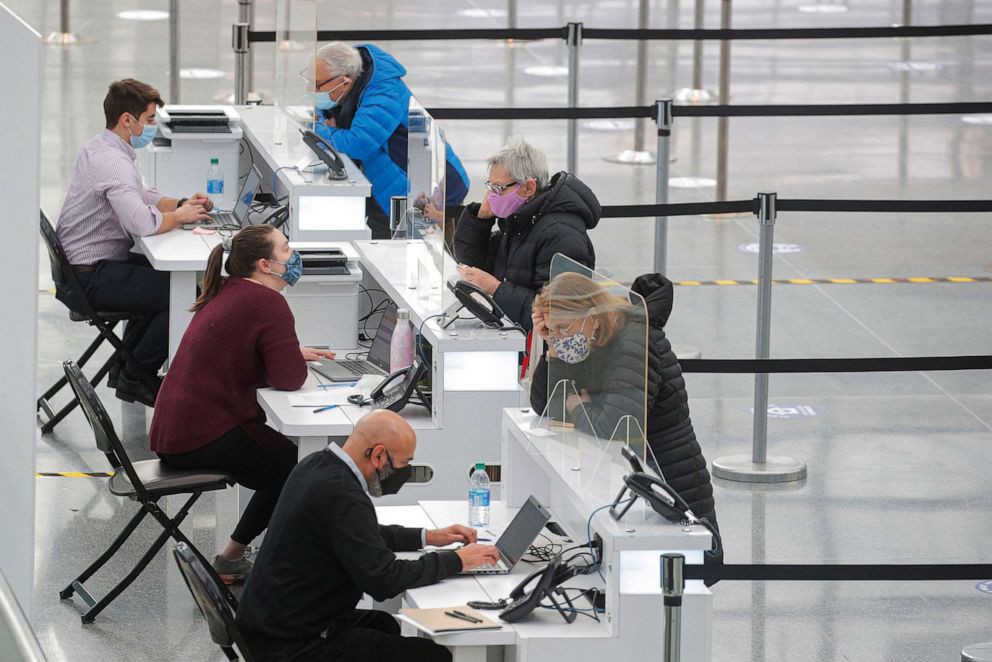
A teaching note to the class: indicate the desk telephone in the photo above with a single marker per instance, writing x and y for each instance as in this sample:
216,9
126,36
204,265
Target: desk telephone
395,390
659,494
478,302
547,579
323,149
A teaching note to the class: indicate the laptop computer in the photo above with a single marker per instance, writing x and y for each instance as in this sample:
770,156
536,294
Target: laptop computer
239,215
519,535
376,364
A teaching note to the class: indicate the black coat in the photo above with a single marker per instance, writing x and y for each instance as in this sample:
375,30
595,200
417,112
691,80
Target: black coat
615,378
519,251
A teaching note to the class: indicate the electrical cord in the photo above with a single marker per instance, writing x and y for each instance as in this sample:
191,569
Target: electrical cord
592,550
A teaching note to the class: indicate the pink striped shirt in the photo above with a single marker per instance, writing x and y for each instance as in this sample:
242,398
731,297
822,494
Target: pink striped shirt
106,205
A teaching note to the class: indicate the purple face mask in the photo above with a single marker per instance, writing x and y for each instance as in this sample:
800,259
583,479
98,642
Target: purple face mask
507,204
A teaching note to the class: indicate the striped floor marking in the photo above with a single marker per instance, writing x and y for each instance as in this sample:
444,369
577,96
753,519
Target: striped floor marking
841,281
74,474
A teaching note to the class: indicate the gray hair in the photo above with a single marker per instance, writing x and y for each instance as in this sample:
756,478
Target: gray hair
522,161
341,59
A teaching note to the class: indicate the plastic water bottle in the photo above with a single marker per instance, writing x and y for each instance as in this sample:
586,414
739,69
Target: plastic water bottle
215,182
401,344
478,497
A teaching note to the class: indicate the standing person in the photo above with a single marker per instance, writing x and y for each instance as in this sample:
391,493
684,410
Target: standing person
363,107
106,207
506,242
595,338
325,548
242,338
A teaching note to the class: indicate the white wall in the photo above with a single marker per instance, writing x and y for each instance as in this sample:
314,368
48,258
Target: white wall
20,83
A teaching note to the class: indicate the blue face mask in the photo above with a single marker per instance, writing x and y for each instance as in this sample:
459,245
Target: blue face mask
294,269
323,100
148,132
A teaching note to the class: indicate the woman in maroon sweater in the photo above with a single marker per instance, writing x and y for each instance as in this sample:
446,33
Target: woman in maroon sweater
243,337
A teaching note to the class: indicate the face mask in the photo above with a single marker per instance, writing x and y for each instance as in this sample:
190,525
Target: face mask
294,269
323,100
504,206
148,132
389,479
574,349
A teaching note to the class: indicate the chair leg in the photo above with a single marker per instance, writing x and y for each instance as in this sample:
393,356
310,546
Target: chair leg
103,558
95,609
44,406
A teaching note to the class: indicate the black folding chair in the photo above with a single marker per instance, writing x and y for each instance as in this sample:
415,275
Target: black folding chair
105,322
145,482
209,597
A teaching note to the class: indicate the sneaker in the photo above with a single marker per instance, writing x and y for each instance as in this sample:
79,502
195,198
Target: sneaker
232,572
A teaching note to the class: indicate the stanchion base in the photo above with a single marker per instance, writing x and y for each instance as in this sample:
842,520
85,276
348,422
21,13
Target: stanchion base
67,39
695,97
686,351
977,652
777,469
632,157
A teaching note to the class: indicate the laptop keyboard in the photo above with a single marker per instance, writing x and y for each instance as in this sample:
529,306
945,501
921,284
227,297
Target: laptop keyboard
490,568
359,367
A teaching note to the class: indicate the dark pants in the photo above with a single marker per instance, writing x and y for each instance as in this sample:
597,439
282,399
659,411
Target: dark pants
258,468
129,286
369,636
377,219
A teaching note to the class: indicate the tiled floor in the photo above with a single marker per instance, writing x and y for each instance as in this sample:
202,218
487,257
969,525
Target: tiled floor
898,463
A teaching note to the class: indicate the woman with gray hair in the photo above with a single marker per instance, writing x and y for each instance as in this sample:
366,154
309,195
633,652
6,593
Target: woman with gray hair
506,242
362,106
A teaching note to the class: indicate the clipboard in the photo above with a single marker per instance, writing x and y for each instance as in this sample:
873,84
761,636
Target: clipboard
435,621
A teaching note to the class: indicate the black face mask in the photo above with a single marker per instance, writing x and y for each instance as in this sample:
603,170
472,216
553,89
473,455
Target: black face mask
389,479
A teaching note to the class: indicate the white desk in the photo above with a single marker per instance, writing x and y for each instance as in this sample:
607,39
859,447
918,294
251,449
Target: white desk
182,254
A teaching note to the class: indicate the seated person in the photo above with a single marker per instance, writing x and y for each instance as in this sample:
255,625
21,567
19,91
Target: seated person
105,208
242,337
363,109
324,548
594,339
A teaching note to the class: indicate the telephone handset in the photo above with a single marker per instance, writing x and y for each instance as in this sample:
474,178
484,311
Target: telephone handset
478,302
660,496
545,581
323,149
395,390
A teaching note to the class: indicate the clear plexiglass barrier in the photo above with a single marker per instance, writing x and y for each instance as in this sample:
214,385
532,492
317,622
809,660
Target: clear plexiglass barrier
594,393
420,222
296,45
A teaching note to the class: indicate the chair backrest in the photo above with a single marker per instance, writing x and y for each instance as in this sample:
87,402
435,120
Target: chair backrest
209,598
61,269
18,642
103,429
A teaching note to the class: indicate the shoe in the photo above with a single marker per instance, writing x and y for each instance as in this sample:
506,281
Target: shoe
232,572
132,390
112,376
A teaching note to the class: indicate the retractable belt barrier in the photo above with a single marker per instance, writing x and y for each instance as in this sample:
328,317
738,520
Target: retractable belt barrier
525,34
886,364
839,572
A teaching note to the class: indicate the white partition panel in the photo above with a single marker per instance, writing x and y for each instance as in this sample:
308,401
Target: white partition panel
20,145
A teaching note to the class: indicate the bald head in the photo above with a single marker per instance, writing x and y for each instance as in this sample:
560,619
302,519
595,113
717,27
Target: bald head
381,435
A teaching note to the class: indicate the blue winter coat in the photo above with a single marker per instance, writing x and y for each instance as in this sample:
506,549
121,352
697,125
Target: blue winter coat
372,130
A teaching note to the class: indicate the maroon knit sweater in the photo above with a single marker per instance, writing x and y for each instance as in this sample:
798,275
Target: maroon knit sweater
242,340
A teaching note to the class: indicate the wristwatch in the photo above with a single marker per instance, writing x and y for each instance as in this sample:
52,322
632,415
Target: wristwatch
181,202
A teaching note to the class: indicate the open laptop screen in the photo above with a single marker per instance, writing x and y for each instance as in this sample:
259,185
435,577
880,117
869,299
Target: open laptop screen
247,195
379,352
522,531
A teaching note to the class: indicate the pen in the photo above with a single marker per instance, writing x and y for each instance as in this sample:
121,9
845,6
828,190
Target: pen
483,539
324,408
464,617
341,385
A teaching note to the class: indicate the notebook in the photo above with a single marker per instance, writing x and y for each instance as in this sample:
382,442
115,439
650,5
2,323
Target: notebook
377,362
516,539
436,621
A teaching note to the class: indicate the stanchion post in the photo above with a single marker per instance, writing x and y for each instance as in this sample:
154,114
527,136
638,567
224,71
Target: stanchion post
907,19
64,35
696,94
239,41
574,40
672,586
663,108
723,126
639,155
173,51
246,14
759,467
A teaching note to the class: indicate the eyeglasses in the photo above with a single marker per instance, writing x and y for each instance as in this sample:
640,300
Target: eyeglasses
499,188
307,75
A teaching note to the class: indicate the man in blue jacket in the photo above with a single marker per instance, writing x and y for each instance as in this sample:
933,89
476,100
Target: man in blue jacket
362,109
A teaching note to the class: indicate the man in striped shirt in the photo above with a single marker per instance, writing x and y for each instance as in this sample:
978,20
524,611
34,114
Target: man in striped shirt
106,207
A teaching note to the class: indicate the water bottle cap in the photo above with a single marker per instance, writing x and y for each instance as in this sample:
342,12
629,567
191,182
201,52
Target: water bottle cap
480,466
402,314
214,161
